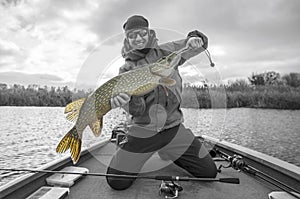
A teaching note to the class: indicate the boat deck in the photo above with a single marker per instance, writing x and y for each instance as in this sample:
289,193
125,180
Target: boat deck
97,187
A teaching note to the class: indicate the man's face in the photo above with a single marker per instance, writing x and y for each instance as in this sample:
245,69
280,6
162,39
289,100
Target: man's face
138,38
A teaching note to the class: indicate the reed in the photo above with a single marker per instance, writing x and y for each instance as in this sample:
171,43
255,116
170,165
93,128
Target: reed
234,95
242,95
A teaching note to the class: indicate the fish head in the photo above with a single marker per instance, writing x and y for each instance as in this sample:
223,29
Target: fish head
165,66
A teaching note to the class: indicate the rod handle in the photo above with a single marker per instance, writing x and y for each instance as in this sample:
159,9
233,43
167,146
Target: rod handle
230,180
166,178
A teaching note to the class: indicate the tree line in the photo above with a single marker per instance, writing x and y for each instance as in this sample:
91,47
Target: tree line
263,90
35,95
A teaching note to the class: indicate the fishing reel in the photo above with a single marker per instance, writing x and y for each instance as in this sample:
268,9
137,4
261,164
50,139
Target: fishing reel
235,161
169,189
119,135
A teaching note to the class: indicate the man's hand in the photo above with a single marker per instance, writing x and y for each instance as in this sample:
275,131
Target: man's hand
198,34
195,42
119,100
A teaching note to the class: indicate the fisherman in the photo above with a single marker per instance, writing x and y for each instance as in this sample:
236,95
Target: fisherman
156,118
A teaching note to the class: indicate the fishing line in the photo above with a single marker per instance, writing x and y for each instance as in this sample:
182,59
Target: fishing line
212,64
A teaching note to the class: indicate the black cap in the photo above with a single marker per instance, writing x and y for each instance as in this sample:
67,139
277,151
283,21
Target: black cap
135,21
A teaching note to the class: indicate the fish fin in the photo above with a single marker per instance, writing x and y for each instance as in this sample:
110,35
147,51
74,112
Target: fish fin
74,105
96,127
72,117
165,81
70,141
73,109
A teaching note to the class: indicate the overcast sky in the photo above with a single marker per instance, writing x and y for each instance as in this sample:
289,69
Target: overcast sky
54,42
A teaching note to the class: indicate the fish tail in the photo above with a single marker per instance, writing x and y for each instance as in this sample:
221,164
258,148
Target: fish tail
71,141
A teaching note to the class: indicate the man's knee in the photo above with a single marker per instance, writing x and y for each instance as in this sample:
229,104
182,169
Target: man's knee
210,168
118,183
212,171
208,172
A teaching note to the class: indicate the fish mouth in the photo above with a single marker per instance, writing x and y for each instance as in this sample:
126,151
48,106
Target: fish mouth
166,72
163,72
175,60
166,66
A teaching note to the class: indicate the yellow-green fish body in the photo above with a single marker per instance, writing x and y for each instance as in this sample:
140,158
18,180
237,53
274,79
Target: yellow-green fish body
90,111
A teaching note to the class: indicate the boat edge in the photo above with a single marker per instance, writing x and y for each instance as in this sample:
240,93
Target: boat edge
18,183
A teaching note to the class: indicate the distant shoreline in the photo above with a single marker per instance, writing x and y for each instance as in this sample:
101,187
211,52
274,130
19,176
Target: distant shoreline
227,108
238,94
242,96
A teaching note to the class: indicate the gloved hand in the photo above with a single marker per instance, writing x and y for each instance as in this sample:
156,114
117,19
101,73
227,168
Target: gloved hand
137,106
120,100
195,42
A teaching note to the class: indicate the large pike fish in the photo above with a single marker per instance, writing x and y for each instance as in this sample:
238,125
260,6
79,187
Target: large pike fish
90,111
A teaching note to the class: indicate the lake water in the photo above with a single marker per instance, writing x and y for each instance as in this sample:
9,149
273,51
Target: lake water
29,135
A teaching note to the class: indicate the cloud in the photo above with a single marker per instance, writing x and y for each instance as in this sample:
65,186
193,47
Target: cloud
109,17
26,79
8,48
10,53
44,37
58,37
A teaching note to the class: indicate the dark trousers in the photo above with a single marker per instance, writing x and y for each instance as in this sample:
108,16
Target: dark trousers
177,144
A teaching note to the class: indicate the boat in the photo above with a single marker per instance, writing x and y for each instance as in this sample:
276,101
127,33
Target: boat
243,173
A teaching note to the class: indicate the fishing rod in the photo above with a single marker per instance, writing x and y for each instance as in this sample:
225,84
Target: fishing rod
212,64
207,53
237,163
168,186
165,178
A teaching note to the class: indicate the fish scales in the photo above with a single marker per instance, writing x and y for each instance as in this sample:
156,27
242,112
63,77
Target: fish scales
92,109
